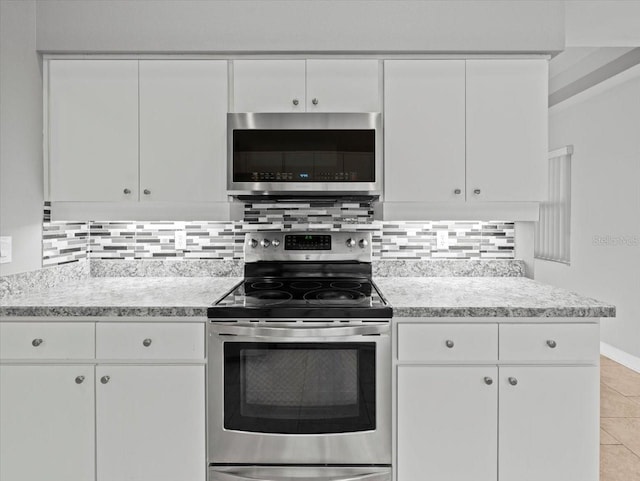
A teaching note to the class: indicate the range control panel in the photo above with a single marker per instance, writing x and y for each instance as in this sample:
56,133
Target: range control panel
301,242
296,246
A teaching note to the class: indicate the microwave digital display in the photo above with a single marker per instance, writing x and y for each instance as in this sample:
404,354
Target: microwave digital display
309,155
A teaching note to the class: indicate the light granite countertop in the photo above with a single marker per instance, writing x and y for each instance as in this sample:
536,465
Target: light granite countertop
485,297
409,296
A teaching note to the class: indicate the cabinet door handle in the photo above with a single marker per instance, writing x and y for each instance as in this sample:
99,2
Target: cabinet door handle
476,191
449,343
488,381
457,191
36,342
314,101
147,192
295,101
104,379
551,343
127,191
146,342
79,379
513,381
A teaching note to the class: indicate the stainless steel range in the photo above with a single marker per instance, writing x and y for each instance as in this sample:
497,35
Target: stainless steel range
299,375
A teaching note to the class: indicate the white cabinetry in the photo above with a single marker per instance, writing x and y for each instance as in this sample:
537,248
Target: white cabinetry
183,134
447,423
549,423
473,130
129,130
424,111
507,110
319,85
93,130
46,423
150,423
471,415
139,407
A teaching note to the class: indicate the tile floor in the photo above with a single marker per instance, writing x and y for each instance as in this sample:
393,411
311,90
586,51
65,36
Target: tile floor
619,422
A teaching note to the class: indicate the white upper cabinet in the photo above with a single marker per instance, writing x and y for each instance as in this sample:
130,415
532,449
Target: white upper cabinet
93,130
269,85
424,110
306,85
183,107
507,129
343,86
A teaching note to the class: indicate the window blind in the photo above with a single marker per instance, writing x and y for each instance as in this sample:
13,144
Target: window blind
553,230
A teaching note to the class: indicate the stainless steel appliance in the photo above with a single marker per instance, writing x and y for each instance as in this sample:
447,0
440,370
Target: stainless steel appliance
297,153
299,374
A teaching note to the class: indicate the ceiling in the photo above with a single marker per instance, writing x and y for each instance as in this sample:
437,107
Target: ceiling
579,68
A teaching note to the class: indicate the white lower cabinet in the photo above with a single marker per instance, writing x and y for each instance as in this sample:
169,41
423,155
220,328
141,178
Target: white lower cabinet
47,423
526,412
150,423
447,423
549,423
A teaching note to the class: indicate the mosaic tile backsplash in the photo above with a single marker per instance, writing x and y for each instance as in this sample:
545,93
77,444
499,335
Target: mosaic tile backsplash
65,242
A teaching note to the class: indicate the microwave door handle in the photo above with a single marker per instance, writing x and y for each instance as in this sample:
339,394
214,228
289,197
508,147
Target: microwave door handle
295,332
229,476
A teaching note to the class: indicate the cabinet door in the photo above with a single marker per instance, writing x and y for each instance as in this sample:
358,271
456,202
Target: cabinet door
343,86
93,130
183,135
269,85
549,423
150,423
447,423
507,129
47,423
424,130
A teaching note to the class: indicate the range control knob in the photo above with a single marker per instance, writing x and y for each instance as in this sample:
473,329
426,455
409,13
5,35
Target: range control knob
265,243
363,243
253,243
351,243
275,242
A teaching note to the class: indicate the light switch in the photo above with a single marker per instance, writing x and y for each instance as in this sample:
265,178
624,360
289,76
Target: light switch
181,239
5,249
442,240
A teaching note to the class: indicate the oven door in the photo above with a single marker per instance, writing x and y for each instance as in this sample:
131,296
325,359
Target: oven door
280,394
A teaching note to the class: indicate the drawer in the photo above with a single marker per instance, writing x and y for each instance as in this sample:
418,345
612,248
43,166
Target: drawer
447,342
549,342
47,340
146,340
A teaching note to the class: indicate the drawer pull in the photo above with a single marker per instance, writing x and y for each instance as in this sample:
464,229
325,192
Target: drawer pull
79,379
104,379
513,381
146,342
36,342
449,343
551,343
488,381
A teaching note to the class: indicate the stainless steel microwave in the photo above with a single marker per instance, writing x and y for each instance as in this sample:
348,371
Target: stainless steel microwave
290,154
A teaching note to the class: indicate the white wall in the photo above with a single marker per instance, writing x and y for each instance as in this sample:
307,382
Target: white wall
602,23
603,124
21,196
298,26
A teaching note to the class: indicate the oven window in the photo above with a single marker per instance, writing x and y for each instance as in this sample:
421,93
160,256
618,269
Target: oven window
299,388
303,155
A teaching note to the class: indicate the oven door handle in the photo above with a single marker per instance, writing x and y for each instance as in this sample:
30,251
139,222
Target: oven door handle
254,331
229,476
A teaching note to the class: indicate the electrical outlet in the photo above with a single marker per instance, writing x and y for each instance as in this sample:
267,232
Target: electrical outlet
181,240
5,249
442,240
